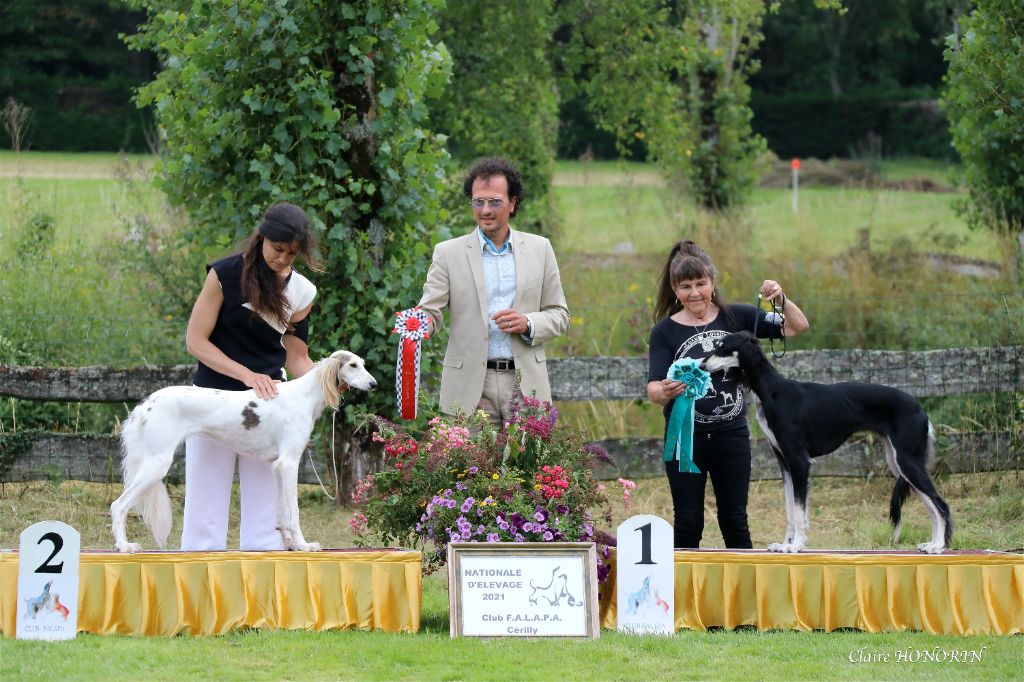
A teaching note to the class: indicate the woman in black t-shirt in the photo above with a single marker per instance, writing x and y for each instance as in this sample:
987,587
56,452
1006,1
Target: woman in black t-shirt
691,316
249,323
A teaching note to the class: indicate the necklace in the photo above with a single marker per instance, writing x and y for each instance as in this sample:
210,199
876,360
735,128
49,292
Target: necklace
706,343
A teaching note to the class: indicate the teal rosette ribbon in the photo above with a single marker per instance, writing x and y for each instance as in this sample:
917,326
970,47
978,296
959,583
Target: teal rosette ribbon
679,436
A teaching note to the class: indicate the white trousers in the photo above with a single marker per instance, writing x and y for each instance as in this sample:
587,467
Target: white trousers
209,475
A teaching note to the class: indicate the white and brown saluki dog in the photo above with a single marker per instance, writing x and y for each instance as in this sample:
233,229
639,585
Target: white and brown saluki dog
803,420
272,430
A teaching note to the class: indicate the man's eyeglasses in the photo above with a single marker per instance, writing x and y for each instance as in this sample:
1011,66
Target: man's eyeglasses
493,203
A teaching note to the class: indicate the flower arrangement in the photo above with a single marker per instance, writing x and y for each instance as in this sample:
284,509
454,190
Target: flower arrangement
463,480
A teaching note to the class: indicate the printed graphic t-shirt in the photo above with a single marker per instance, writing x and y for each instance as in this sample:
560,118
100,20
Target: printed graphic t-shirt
723,408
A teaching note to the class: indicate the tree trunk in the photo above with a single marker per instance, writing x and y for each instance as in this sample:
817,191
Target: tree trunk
350,460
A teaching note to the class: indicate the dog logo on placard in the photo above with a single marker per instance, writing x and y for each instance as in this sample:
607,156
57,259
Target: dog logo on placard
35,605
46,605
639,598
554,591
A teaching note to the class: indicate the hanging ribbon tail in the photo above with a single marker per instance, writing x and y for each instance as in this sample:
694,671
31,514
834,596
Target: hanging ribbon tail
411,327
679,436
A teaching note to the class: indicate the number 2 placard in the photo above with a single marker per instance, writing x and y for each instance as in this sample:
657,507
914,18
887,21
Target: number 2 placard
48,581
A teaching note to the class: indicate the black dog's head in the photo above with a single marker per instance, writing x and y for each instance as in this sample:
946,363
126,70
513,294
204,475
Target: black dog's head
739,349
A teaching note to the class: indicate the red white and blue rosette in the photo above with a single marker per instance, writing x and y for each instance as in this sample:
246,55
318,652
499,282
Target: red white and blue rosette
412,326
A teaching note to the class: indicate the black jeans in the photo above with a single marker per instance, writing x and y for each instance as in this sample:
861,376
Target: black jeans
726,456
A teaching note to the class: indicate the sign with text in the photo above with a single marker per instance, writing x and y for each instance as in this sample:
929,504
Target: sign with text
645,576
48,556
523,589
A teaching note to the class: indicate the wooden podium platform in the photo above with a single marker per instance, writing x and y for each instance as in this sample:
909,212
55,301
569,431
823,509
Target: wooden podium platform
209,593
961,593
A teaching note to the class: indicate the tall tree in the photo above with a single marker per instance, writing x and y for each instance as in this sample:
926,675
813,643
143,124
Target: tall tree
985,103
502,99
320,103
673,73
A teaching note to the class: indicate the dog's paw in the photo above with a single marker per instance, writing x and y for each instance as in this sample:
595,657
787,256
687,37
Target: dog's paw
313,547
785,547
129,548
931,547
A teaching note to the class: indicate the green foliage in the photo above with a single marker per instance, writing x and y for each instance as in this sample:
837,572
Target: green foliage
320,103
675,77
65,61
985,102
502,99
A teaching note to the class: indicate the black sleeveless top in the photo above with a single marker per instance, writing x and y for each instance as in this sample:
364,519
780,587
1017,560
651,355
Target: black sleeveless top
242,334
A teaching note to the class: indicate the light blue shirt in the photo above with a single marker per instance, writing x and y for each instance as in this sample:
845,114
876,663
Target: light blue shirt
500,280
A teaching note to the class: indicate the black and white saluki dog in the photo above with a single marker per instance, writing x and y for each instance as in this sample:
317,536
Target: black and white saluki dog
803,420
272,430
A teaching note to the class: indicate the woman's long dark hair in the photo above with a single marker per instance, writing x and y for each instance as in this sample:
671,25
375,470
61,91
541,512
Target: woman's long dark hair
261,286
685,261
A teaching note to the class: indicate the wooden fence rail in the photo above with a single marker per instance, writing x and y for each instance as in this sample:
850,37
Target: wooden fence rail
947,372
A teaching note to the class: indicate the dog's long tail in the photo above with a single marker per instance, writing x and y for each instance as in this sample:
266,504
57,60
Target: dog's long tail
900,493
140,467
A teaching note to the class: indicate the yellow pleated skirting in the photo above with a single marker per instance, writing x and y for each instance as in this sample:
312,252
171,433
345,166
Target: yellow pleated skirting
210,593
963,593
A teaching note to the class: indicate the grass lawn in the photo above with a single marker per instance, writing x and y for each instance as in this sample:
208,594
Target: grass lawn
846,513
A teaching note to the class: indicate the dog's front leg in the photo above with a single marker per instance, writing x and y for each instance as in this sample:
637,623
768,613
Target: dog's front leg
286,475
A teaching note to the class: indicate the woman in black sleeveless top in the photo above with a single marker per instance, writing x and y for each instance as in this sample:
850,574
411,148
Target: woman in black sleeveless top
249,323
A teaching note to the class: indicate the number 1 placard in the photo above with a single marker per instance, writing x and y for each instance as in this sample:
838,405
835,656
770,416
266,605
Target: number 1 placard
48,581
645,576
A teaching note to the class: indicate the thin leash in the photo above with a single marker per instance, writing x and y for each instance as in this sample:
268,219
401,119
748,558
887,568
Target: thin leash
334,462
777,314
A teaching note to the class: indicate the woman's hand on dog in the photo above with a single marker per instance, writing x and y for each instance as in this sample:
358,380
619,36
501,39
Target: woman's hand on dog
264,386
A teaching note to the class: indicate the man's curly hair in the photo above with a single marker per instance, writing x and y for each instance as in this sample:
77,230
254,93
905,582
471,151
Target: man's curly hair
492,166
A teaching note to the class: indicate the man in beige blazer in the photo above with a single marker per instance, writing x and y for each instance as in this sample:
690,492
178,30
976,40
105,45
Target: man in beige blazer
504,297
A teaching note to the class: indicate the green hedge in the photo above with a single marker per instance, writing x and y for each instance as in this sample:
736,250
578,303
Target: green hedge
818,125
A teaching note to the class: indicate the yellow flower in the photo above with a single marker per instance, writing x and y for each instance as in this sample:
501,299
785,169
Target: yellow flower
577,321
495,476
633,287
536,486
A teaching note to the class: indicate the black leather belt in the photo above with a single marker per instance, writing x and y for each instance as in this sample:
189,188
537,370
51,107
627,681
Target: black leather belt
508,365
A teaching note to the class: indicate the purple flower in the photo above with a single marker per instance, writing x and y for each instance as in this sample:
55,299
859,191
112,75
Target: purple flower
519,538
450,504
448,492
548,536
460,486
517,520
473,470
528,527
562,509
480,529
502,524
466,534
467,505
598,453
493,537
455,536
540,516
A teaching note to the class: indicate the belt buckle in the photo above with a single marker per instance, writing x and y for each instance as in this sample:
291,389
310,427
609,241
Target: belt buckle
503,365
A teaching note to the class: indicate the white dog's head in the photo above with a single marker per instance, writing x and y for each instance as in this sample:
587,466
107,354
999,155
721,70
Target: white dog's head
341,371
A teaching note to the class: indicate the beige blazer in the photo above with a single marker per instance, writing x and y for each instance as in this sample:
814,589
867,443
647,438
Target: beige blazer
456,280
